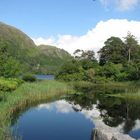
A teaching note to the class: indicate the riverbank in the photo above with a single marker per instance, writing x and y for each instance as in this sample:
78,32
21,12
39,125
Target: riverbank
30,94
128,90
26,95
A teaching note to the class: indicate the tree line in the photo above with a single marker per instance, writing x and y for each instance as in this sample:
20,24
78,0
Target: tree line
119,60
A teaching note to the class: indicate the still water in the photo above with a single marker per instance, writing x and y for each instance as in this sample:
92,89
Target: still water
44,77
74,118
57,120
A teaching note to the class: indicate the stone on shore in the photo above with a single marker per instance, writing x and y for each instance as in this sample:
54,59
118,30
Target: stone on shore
101,134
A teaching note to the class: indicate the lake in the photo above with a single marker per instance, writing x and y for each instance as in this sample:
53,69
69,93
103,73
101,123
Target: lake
74,117
44,77
56,120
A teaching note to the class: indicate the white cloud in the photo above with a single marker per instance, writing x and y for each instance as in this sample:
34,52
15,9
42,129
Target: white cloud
41,40
127,4
137,125
94,38
61,106
120,4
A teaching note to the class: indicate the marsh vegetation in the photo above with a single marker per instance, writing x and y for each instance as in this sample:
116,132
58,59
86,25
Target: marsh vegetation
26,95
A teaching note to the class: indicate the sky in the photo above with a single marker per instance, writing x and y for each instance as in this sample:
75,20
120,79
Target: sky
72,24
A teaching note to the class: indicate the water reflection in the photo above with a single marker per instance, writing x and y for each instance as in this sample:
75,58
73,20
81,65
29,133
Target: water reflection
119,114
44,77
77,115
57,120
60,106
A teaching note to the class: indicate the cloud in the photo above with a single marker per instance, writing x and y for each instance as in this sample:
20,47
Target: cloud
137,125
61,106
127,4
122,5
41,40
94,39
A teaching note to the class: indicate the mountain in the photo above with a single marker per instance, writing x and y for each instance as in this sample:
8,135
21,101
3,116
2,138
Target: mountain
38,59
19,46
53,58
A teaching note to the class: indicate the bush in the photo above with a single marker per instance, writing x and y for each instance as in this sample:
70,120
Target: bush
109,71
71,77
102,80
90,75
29,78
71,72
9,84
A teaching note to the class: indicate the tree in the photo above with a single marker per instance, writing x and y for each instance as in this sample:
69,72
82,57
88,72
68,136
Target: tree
81,54
113,51
71,71
109,70
132,47
132,71
9,66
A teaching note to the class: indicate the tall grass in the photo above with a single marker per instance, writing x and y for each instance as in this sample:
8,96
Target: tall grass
129,95
127,90
26,95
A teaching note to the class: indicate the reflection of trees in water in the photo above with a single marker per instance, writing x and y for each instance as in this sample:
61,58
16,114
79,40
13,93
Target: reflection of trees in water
114,111
84,100
119,111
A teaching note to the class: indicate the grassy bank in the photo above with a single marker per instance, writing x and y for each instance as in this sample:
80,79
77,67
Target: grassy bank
26,95
128,95
103,88
127,90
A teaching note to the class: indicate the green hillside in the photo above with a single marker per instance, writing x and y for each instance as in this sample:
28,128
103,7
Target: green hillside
19,50
52,58
19,46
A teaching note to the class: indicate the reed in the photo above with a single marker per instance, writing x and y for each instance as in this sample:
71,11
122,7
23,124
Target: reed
129,95
26,95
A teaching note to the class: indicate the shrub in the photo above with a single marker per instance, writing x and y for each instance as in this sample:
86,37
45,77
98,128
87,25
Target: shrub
109,71
90,75
9,84
29,78
71,77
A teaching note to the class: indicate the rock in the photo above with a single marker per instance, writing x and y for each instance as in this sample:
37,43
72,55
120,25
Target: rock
99,134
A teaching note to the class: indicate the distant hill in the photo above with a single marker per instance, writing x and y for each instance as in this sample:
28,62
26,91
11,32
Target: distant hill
41,59
19,46
53,57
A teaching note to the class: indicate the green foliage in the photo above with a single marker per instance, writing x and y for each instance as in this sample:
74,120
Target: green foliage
115,66
119,60
109,70
132,71
117,51
88,64
19,47
126,54
9,84
19,54
29,78
9,67
51,59
132,48
113,51
101,80
27,95
71,71
90,73
81,68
